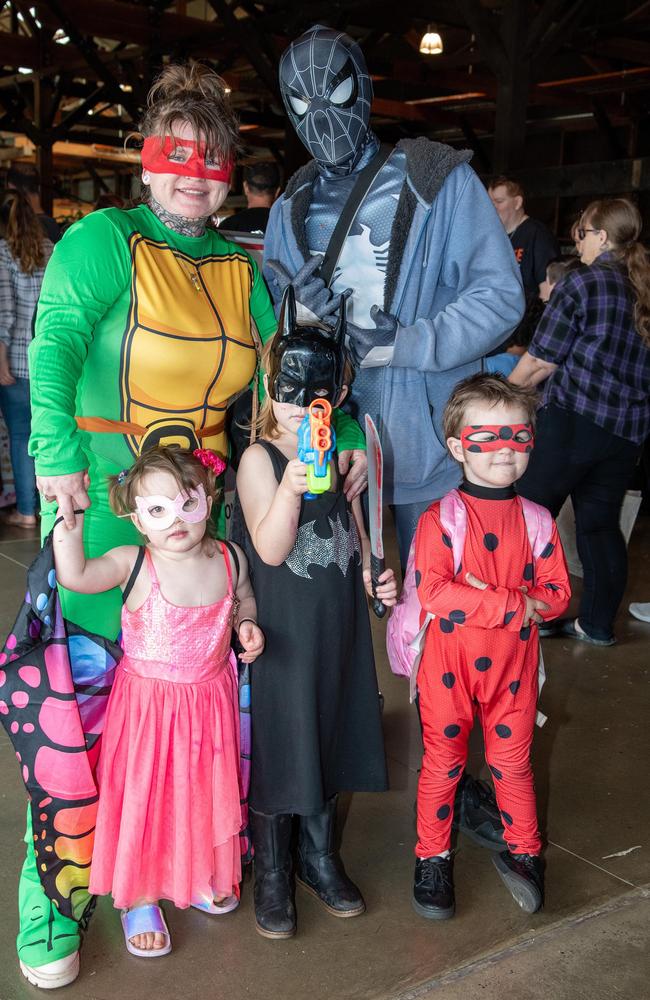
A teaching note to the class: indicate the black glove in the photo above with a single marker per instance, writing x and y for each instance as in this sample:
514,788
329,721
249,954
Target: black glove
363,339
311,292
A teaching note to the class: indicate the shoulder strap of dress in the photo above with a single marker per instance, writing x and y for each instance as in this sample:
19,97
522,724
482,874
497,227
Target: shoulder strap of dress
137,566
153,576
226,548
278,460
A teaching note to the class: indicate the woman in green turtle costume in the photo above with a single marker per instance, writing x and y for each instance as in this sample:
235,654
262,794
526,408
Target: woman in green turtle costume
147,326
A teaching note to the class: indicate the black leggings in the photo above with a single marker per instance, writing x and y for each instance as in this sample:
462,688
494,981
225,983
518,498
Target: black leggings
575,457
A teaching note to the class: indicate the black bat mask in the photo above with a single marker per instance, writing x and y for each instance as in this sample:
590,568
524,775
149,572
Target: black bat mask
327,91
307,362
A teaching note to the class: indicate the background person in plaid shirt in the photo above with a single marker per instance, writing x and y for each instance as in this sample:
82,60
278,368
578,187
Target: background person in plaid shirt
24,252
594,342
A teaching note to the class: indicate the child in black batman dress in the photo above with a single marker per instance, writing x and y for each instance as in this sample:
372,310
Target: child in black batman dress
316,721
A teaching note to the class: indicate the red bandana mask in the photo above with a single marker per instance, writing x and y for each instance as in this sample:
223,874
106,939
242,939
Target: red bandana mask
166,155
493,437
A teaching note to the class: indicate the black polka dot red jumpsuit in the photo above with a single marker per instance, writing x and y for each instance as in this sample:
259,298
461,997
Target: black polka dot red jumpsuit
480,658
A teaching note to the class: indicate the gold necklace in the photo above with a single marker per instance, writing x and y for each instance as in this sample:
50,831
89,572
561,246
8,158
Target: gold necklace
190,274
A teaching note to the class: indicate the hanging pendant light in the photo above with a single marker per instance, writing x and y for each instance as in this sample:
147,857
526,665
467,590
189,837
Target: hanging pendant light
431,44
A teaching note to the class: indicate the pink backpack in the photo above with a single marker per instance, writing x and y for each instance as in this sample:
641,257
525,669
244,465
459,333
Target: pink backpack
404,633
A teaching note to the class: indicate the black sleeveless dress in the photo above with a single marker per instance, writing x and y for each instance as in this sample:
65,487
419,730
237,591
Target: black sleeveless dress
314,700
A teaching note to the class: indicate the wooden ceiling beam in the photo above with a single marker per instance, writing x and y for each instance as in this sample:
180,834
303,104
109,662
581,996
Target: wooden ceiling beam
244,31
634,50
490,43
127,22
90,53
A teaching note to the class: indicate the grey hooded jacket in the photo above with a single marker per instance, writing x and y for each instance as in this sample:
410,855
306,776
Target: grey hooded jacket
452,282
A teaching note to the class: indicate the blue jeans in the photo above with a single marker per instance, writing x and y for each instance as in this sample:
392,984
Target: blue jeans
14,404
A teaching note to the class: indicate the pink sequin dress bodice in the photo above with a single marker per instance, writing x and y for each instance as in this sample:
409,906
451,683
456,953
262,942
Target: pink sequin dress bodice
175,643
170,811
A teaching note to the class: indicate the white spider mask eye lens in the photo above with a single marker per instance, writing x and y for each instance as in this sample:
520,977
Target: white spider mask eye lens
298,105
343,92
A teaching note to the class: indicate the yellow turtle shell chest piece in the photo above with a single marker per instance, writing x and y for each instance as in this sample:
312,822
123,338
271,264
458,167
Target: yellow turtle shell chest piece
188,346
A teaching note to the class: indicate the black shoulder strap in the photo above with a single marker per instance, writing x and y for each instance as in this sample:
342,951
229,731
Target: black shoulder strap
342,228
235,558
61,518
137,566
278,460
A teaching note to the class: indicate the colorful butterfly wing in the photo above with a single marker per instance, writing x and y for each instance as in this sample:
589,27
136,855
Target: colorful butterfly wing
54,683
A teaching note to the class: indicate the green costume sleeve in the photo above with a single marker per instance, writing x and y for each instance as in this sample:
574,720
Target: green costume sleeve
87,272
349,435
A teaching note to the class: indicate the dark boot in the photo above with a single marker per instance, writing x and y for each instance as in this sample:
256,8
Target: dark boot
523,875
433,888
320,869
275,914
477,815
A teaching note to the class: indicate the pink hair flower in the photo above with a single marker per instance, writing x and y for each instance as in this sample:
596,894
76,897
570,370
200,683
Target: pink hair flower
210,460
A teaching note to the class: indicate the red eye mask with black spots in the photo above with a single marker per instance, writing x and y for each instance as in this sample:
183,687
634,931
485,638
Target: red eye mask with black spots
493,437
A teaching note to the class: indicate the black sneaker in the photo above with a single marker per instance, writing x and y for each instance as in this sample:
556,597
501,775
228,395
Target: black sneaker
433,888
477,815
523,875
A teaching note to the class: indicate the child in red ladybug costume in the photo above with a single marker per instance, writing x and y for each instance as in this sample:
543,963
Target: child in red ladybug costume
481,653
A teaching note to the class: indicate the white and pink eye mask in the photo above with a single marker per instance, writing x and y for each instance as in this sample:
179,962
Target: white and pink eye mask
158,513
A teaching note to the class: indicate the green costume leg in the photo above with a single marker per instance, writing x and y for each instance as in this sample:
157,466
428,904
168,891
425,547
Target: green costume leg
45,934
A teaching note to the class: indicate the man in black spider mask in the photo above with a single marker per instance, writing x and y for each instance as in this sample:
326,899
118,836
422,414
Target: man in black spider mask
431,280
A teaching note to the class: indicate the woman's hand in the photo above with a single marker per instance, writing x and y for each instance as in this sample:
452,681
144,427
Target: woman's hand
353,467
530,371
70,492
252,639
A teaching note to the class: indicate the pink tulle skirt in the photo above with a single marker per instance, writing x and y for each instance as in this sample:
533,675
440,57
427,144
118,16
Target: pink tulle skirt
169,810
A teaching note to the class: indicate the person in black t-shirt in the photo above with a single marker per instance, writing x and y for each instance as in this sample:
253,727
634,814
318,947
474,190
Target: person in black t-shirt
261,187
532,242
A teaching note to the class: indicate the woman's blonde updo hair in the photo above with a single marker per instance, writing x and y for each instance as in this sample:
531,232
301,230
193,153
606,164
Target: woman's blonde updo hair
622,222
194,94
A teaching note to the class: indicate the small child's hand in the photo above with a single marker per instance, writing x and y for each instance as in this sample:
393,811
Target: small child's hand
474,581
386,590
532,609
295,477
252,639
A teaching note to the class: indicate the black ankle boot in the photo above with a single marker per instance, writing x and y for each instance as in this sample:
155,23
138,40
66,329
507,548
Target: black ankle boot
275,914
523,875
320,869
433,888
477,815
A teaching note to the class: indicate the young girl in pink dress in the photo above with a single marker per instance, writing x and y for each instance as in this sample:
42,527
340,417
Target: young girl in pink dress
169,809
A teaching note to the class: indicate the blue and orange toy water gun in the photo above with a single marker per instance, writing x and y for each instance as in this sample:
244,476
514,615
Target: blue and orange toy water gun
316,445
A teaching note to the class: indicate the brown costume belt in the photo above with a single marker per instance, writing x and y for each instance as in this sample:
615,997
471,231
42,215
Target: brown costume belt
100,425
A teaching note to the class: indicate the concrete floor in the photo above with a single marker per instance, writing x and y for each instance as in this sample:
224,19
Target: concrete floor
591,941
